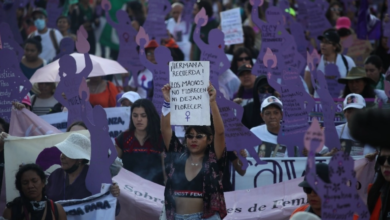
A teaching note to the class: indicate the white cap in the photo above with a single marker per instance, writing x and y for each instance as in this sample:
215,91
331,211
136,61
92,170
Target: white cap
131,96
304,216
271,100
354,100
76,146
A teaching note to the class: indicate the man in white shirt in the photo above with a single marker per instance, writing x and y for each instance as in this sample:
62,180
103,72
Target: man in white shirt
177,27
51,38
352,103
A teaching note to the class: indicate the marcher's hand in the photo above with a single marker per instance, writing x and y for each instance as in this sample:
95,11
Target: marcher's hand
3,136
371,156
237,100
305,152
114,189
329,154
18,105
212,93
166,92
243,153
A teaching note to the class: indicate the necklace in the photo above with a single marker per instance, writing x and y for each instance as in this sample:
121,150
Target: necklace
194,164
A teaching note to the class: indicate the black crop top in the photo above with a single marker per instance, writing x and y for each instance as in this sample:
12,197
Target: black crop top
184,188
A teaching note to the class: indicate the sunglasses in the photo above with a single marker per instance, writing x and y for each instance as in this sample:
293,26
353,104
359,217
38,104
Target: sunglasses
382,159
243,58
308,190
266,88
198,136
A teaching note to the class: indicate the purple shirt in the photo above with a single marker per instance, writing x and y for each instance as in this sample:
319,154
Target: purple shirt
58,187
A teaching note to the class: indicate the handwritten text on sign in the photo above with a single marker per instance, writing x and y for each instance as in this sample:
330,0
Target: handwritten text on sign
190,102
231,26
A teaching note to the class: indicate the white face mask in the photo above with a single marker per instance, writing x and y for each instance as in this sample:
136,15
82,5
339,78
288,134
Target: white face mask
40,24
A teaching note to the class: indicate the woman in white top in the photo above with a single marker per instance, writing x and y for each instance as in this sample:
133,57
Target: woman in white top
330,50
43,100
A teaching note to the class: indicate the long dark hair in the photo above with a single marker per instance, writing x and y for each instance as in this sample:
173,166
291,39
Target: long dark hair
368,91
236,55
137,10
375,190
36,40
34,167
374,60
153,127
79,123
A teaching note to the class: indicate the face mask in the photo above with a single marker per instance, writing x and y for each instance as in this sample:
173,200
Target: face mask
40,24
72,169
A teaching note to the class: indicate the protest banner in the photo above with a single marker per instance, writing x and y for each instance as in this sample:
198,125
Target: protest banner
190,101
277,201
118,120
18,150
98,206
231,26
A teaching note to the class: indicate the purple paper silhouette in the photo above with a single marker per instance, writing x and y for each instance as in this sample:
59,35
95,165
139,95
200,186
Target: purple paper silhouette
302,13
160,69
49,157
186,15
273,36
328,111
53,12
8,15
103,152
295,112
292,58
332,74
155,21
237,136
8,41
317,22
70,80
365,22
298,32
11,81
214,51
66,47
386,27
128,55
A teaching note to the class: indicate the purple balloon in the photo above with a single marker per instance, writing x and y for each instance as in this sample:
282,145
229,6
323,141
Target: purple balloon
155,21
332,75
128,55
66,47
237,136
103,152
69,85
11,79
213,52
160,71
53,12
328,111
187,14
8,40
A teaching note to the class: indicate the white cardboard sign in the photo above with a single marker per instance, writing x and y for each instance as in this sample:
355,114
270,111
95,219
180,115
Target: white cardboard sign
231,26
190,101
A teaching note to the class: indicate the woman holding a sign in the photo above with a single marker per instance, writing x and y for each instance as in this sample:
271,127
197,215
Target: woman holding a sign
194,187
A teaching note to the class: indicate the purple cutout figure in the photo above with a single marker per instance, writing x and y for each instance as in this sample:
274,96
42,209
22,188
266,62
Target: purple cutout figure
292,58
238,137
187,14
160,69
155,21
11,81
214,51
367,27
128,55
49,157
316,19
103,152
53,12
9,16
273,36
298,32
66,47
332,74
339,197
386,28
70,80
8,41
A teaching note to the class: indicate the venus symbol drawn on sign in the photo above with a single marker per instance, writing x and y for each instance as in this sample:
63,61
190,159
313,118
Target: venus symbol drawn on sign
188,113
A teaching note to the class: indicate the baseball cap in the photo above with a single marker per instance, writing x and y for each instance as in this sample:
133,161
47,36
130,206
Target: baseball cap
354,100
271,100
39,10
26,100
131,96
322,171
343,22
330,35
243,68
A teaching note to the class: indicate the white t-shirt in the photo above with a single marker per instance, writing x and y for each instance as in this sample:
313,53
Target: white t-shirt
42,106
266,136
355,150
339,63
178,30
143,88
48,50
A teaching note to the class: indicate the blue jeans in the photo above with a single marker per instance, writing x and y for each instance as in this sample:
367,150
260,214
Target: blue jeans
196,216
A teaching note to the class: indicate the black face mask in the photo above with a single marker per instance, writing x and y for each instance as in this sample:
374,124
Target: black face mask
72,169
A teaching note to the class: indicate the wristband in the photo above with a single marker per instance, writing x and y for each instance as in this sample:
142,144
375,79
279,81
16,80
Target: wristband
166,108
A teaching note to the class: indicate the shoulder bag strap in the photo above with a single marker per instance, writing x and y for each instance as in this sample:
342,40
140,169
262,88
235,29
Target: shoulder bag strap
54,40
